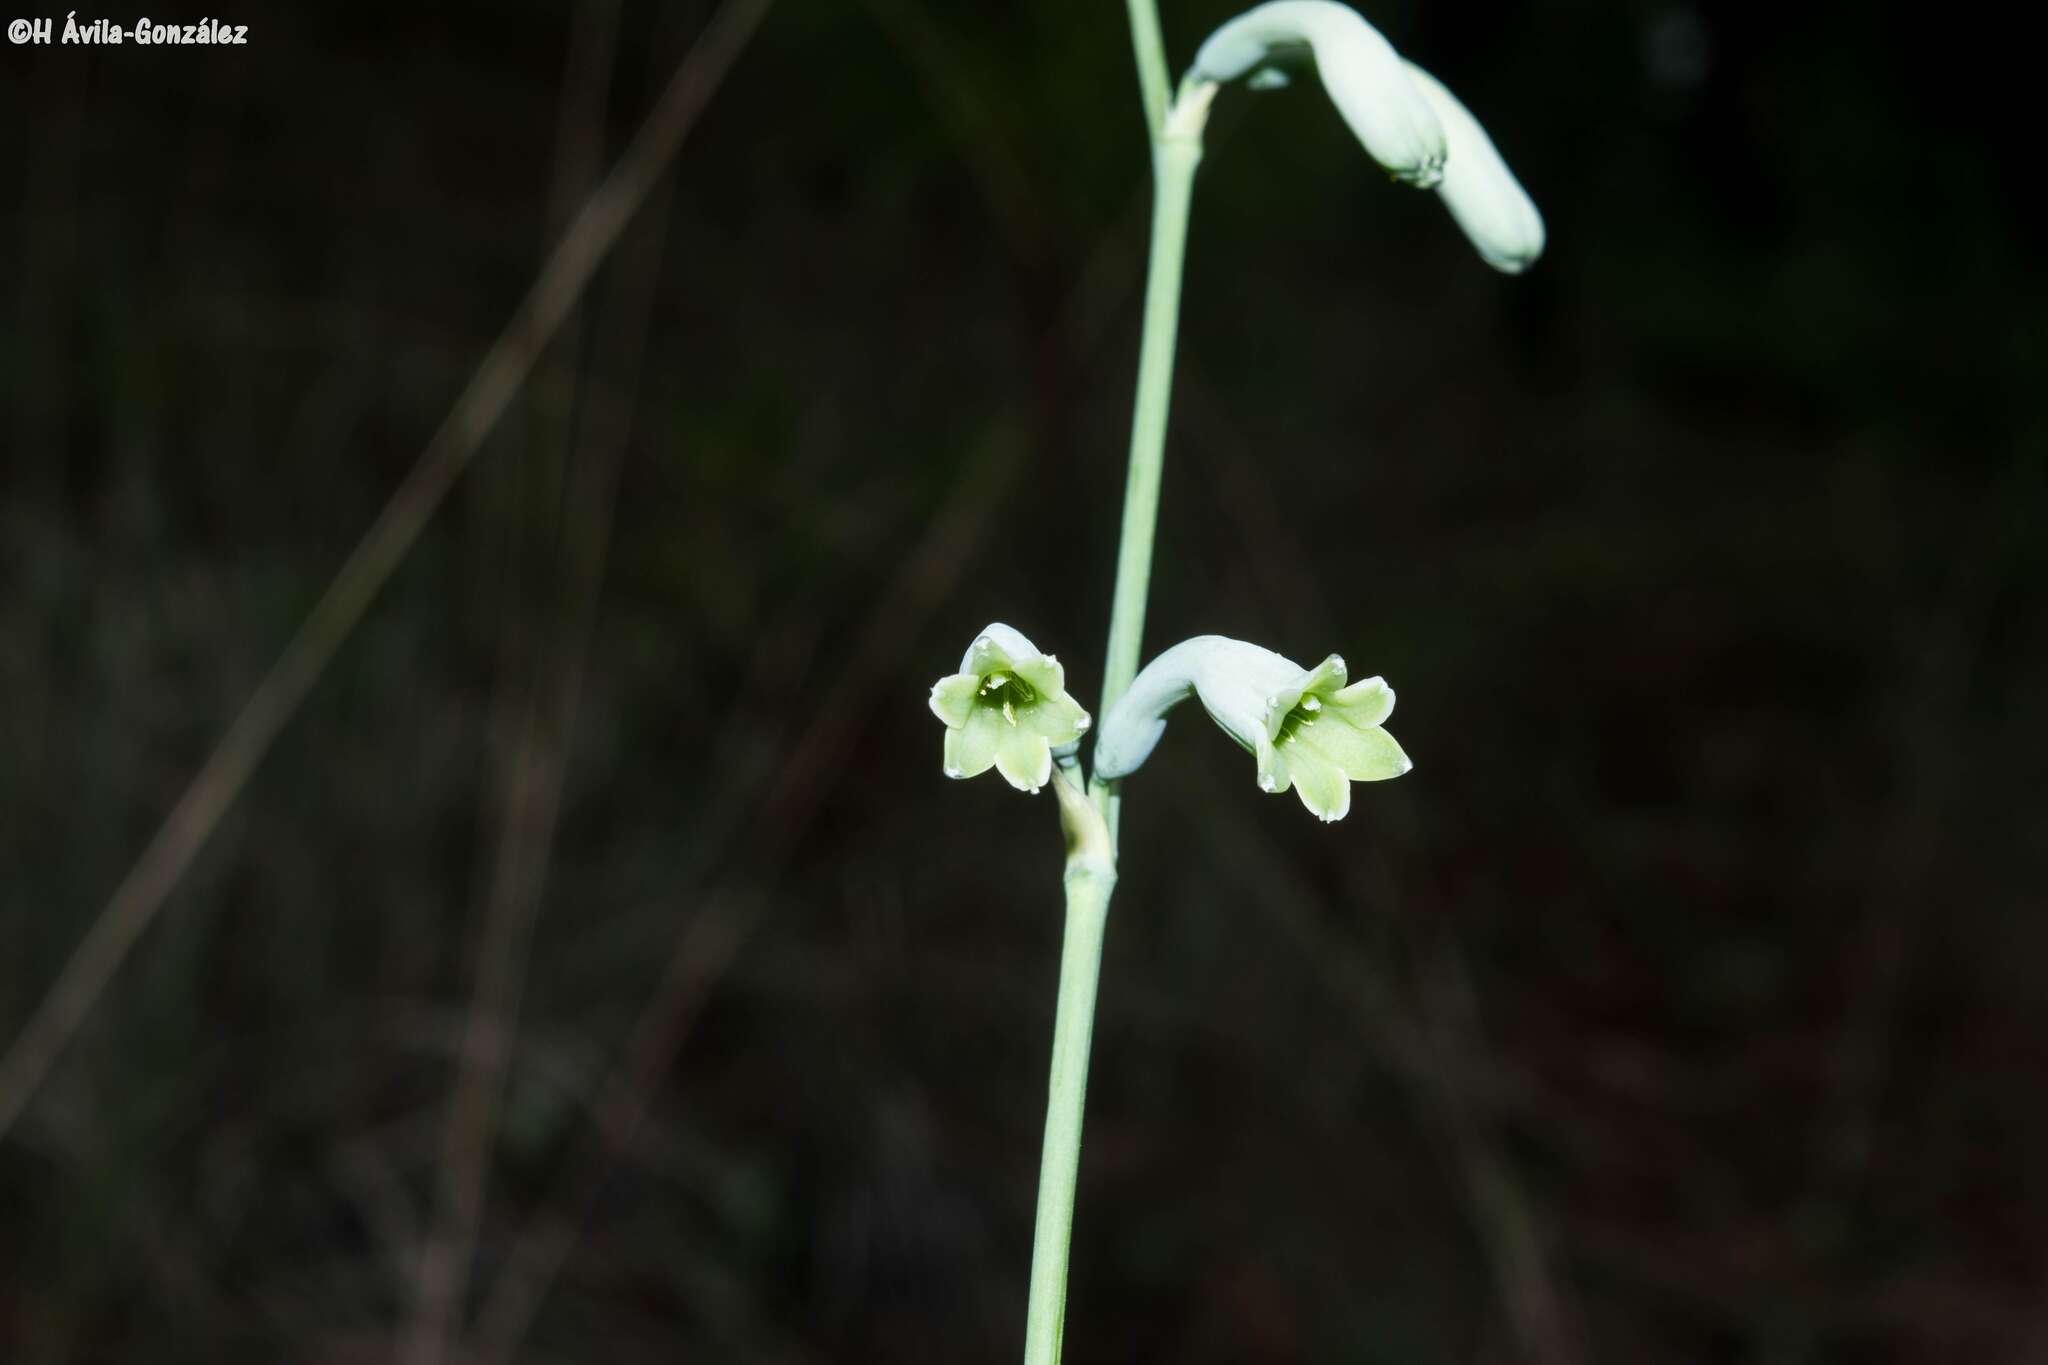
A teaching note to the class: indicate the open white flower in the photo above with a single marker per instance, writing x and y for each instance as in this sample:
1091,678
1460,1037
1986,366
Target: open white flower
1308,729
1358,66
1006,707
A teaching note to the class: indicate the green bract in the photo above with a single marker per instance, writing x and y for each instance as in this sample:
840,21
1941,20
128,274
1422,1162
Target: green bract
1006,708
1308,729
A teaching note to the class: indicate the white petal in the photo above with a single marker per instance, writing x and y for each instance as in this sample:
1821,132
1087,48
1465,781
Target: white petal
1327,676
1368,701
1366,753
997,647
1023,758
971,749
952,698
1321,784
1060,719
1044,673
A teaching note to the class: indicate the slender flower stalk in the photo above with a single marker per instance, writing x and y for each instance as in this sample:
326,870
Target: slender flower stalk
1091,821
1089,881
1311,731
1175,156
1155,83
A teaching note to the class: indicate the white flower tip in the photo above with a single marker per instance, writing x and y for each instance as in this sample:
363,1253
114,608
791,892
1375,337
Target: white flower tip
1482,194
1083,723
952,771
1331,818
1267,784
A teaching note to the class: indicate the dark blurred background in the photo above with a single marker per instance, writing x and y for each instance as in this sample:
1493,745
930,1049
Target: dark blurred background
1682,1005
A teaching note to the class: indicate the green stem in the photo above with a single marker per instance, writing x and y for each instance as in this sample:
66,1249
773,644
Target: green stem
1089,884
1176,152
1091,823
1154,85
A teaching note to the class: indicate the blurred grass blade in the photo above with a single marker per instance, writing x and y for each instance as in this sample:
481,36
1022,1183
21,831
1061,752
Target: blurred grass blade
561,282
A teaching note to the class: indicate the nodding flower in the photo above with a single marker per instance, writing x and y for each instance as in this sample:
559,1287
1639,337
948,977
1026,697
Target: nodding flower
1307,728
1006,708
1405,117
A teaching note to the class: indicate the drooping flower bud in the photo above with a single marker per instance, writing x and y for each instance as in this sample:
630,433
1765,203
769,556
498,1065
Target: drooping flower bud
1364,76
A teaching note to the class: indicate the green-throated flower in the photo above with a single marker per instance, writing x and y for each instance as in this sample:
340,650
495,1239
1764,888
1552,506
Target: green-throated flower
1308,729
1007,707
